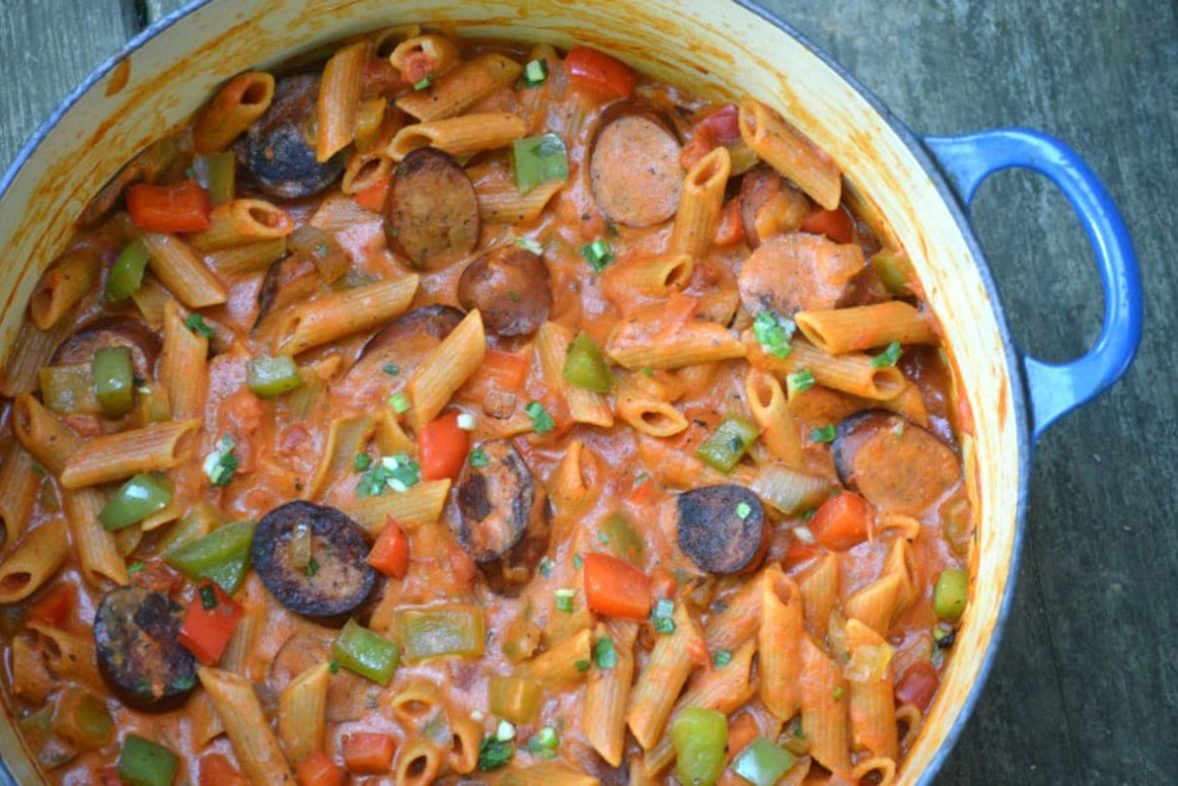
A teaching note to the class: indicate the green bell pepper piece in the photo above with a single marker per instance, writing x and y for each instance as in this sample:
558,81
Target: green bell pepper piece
440,631
138,498
368,654
201,519
950,594
699,737
114,380
222,556
762,763
143,763
126,275
69,390
585,367
217,174
727,444
620,538
269,377
538,159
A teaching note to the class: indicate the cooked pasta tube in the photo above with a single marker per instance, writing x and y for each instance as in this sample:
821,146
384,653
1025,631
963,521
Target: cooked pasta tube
349,436
119,456
34,560
700,204
770,411
500,201
242,221
466,733
326,318
206,723
340,88
875,605
150,299
825,721
842,330
415,701
559,665
446,368
900,561
69,654
441,50
671,662
790,153
585,406
240,649
365,170
851,373
657,276
418,762
180,270
249,732
241,101
778,640
302,720
31,680
546,773
20,481
820,591
872,703
46,437
30,351
738,622
66,281
251,257
97,551
636,344
646,413
420,505
881,768
459,136
603,714
460,87
910,717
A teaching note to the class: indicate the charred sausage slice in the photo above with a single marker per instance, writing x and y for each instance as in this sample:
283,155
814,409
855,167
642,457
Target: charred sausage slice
509,285
799,272
137,643
106,333
405,342
634,169
335,581
721,528
287,280
433,212
278,148
769,204
897,465
502,517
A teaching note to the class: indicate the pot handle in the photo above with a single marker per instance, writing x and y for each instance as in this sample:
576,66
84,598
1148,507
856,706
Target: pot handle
1056,389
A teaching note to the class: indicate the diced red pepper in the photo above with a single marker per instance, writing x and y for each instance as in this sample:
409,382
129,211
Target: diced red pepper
600,72
730,230
390,553
835,224
367,753
206,631
373,197
215,770
55,606
723,125
319,770
918,685
442,447
616,588
842,522
800,552
179,207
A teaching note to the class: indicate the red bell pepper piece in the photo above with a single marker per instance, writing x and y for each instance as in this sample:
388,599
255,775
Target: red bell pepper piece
390,553
600,72
842,522
373,197
55,606
616,588
319,770
209,622
918,685
835,224
368,753
442,447
179,207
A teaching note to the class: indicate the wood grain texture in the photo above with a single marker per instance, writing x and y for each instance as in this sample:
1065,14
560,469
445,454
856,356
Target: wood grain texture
1085,688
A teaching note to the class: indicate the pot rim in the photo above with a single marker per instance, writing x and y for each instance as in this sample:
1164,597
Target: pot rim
920,153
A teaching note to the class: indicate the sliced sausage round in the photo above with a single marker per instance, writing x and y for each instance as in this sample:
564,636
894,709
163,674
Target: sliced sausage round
107,333
769,203
634,169
337,578
278,149
288,279
137,645
799,272
721,528
897,465
502,519
405,342
509,285
433,212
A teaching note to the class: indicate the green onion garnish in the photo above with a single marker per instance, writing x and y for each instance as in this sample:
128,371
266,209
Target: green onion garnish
888,357
598,254
773,333
535,73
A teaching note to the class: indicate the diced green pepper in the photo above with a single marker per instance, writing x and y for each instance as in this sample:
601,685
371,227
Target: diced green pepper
217,173
454,630
621,538
126,275
699,737
762,763
138,498
585,367
363,652
268,377
950,594
83,719
222,556
727,444
69,390
538,159
114,380
143,763
515,698
894,269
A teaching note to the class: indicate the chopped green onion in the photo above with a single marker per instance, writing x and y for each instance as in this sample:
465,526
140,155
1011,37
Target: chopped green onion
888,357
661,616
542,422
392,369
535,73
598,254
773,333
361,462
399,403
544,743
824,434
220,465
762,763
196,323
527,244
424,82
604,654
465,421
743,509
725,446
493,754
126,275
582,665
838,692
602,537
505,731
577,561
333,667
478,458
208,597
584,365
134,568
312,566
546,566
646,371
114,380
809,514
721,659
398,472
799,381
564,599
538,159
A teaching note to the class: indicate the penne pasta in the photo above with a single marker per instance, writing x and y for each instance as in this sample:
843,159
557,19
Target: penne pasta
339,95
647,414
700,204
558,665
415,702
150,299
770,411
31,680
315,322
302,708
206,723
418,762
851,373
738,622
671,662
183,369
119,456
420,505
97,551
603,714
349,436
466,734
365,170
239,102
573,485
19,480
825,722
34,560
637,344
585,406
872,703
546,773
500,201
459,136
656,276
789,152
48,440
778,642
446,368
438,49
69,655
820,591
241,222
30,351
843,330
254,743
180,270
876,604
67,280
461,87
253,257
881,769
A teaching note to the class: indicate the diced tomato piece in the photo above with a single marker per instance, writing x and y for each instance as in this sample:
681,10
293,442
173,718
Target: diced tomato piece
442,447
206,631
918,685
842,522
730,230
179,207
390,553
616,588
55,606
723,125
373,197
601,72
215,770
800,552
319,770
367,753
835,224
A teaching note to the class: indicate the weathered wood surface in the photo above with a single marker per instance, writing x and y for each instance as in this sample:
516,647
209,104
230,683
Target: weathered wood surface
1085,689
